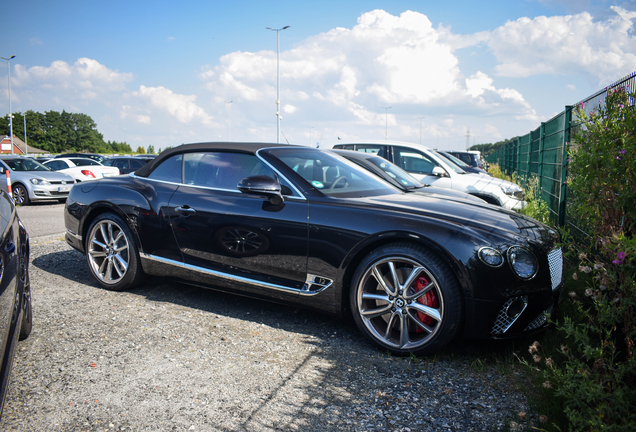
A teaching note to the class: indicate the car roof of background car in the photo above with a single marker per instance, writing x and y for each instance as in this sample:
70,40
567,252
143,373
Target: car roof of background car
243,147
329,144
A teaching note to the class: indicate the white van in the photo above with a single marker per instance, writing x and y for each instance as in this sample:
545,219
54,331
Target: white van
430,168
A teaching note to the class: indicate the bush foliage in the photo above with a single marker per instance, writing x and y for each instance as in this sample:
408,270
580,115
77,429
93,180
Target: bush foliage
591,374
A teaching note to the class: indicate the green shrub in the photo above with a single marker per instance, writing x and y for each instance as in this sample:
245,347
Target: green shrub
591,373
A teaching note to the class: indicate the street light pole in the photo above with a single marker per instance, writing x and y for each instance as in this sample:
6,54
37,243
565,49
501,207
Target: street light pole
421,118
26,147
386,121
10,113
277,80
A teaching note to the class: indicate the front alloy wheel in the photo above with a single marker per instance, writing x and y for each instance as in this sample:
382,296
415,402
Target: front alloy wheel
405,299
21,195
112,254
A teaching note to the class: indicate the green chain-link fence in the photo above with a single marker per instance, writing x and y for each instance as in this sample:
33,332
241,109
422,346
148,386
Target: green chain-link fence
543,152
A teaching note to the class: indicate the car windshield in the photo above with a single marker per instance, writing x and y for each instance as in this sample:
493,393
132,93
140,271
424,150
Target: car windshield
396,173
452,165
453,159
25,165
333,175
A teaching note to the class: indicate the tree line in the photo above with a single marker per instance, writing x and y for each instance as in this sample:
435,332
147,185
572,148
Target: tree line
62,132
490,148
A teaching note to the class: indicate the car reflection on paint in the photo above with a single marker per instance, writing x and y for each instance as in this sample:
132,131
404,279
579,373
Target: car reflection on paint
307,227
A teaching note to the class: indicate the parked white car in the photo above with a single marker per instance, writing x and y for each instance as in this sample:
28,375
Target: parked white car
81,169
30,180
431,169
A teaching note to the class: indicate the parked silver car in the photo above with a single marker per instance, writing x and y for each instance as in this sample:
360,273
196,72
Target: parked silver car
30,180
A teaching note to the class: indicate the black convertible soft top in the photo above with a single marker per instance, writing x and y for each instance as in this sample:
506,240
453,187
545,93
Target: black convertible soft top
244,147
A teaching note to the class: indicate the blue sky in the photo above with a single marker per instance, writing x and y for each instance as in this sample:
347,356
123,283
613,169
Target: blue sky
163,73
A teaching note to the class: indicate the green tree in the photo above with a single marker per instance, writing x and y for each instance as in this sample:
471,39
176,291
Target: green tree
151,149
140,150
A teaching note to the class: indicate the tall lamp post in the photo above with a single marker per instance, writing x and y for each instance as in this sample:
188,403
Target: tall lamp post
277,80
26,147
421,118
386,121
10,113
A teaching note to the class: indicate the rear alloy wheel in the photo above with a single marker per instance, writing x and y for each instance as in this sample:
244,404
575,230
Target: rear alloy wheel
112,254
21,195
406,300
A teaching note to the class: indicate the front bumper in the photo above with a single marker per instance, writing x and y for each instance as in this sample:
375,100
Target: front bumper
49,191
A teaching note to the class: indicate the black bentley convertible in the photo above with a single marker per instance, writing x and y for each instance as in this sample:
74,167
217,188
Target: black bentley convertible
306,227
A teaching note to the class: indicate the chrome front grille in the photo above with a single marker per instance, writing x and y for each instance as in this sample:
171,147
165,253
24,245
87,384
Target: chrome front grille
555,260
540,320
504,319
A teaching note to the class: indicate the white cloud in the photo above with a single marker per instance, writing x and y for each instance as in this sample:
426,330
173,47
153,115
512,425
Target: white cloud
84,74
181,107
347,75
602,51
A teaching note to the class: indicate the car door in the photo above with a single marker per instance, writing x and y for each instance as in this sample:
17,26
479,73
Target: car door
239,239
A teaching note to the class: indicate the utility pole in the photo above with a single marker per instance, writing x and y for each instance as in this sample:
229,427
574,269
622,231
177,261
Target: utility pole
421,118
467,138
386,121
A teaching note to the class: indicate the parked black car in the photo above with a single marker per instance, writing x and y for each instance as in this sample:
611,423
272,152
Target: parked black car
126,164
15,289
463,165
307,227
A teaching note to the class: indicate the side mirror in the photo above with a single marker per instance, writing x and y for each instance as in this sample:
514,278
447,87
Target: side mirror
439,172
262,185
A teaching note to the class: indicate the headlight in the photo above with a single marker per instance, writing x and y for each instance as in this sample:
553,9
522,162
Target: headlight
512,190
522,262
491,257
37,181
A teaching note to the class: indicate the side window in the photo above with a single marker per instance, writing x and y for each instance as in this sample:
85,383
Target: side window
56,165
413,161
136,164
169,170
222,170
379,150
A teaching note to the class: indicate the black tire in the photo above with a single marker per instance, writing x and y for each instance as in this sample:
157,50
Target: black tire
20,195
419,313
112,253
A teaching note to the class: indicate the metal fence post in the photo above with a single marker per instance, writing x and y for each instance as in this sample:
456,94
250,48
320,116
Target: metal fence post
564,165
540,161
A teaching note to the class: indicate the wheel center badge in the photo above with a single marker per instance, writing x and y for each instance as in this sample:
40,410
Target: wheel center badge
399,302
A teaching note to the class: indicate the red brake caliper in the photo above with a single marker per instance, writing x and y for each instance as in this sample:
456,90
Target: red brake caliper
429,299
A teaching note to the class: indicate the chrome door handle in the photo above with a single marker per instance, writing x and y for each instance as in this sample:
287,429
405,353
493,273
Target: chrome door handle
185,210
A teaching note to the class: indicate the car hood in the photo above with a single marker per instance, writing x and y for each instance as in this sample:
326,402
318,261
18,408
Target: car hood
46,175
479,217
443,193
487,180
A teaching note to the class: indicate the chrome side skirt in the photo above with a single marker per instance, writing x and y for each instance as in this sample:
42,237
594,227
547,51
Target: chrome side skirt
313,285
74,235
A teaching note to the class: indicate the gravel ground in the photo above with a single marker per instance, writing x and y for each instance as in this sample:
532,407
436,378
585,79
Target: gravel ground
168,356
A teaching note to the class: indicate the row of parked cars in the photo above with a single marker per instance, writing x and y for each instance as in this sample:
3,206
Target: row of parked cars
401,238
48,178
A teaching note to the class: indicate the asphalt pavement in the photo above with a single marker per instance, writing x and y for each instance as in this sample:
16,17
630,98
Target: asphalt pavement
43,218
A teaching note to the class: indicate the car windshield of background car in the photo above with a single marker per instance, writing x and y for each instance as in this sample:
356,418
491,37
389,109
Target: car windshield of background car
396,173
460,163
85,162
25,165
333,175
